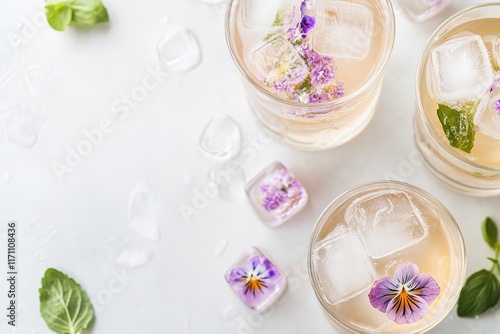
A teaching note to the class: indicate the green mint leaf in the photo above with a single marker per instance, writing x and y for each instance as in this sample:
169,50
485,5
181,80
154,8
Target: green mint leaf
480,292
490,232
64,305
458,127
87,13
58,15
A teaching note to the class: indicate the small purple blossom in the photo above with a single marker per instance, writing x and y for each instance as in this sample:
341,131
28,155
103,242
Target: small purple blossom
322,74
406,297
281,192
497,107
256,281
306,24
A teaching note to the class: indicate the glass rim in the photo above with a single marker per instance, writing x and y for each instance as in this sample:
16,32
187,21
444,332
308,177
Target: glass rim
450,222
421,66
391,34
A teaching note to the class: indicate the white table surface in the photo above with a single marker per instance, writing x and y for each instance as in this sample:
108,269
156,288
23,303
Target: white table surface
75,78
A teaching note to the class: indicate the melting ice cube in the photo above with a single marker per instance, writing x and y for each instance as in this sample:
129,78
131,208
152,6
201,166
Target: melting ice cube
142,212
221,139
279,63
386,222
343,267
492,44
461,69
178,49
343,29
488,115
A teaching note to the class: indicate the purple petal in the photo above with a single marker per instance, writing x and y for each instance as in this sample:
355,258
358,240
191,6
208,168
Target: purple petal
238,277
497,107
306,24
406,272
303,8
383,291
407,308
425,287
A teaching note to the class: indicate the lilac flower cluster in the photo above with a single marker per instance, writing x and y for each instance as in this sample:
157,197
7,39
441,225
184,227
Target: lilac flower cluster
281,192
315,83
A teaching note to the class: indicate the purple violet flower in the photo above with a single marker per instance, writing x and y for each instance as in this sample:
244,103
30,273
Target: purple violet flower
497,107
406,297
306,24
256,281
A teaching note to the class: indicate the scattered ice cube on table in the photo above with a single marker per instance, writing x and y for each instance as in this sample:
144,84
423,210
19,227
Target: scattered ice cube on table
343,29
276,195
279,64
221,138
142,212
178,49
461,69
487,117
386,222
420,10
344,268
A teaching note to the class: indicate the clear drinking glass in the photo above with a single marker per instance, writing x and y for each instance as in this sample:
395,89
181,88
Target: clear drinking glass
457,118
369,234
356,39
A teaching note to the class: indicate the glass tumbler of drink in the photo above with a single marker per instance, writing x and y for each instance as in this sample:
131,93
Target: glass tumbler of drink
386,257
312,69
457,118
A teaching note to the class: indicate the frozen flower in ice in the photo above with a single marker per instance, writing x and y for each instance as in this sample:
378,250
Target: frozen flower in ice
256,281
322,74
406,297
281,192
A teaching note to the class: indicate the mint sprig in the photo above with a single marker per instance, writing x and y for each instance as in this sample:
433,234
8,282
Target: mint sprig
458,127
64,305
482,289
84,13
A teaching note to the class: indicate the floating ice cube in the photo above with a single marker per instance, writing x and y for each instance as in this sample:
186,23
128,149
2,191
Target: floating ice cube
279,63
142,212
221,139
178,49
262,13
488,115
492,44
386,222
343,29
461,69
343,267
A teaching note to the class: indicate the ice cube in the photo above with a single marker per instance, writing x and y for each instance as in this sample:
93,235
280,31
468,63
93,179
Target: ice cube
142,212
178,49
461,69
221,139
343,267
487,118
279,63
386,222
492,44
262,13
343,29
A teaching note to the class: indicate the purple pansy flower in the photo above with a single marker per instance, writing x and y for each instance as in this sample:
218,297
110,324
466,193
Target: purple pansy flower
256,281
406,297
280,193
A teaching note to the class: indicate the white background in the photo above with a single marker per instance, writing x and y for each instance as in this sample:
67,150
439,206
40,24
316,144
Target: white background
77,75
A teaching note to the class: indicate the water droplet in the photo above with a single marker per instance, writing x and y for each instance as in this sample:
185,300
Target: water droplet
21,131
142,212
229,313
221,247
221,138
127,253
178,49
134,256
